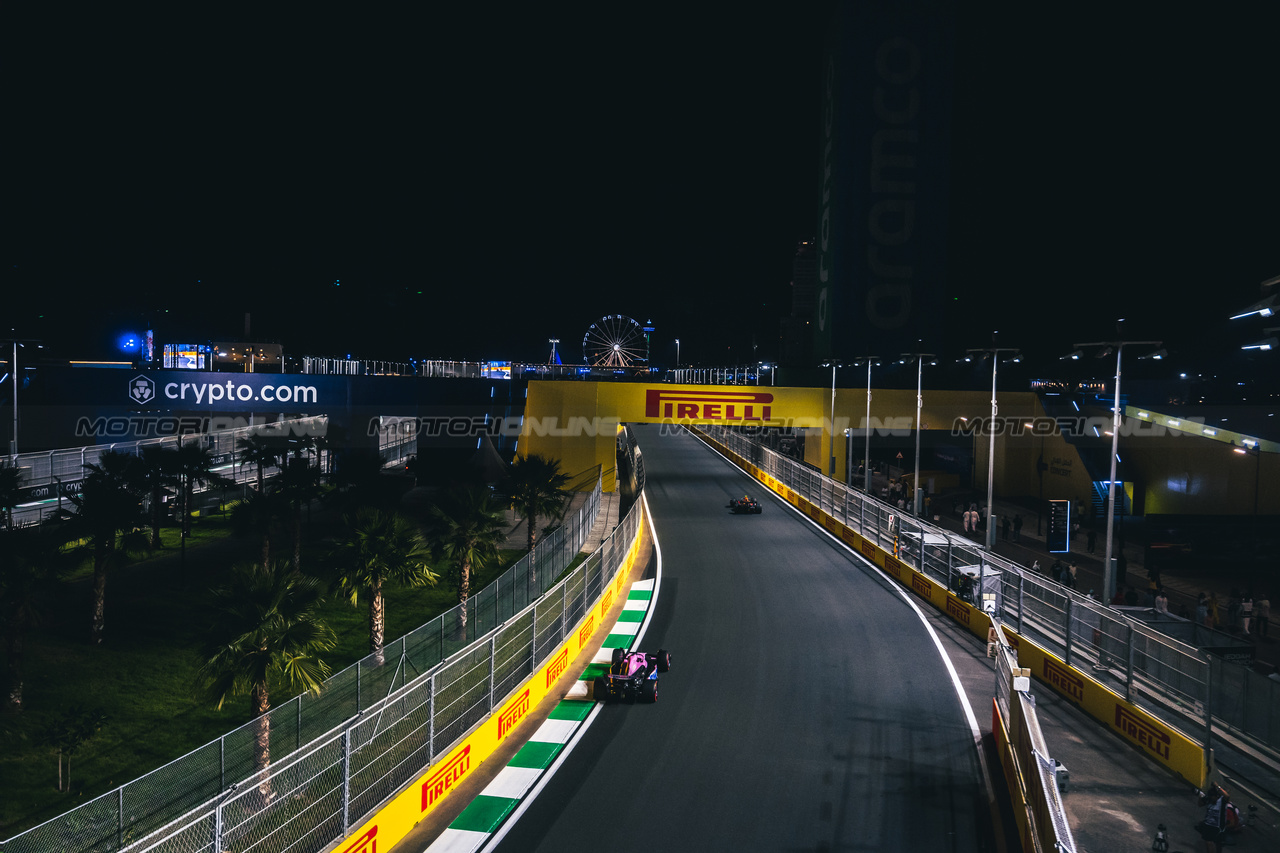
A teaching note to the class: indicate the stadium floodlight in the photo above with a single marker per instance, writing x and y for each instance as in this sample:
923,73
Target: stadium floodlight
1265,344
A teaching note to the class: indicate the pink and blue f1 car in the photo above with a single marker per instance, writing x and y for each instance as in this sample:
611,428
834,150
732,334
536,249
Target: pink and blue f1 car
632,675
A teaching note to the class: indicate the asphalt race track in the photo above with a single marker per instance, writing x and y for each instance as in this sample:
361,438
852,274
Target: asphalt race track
807,708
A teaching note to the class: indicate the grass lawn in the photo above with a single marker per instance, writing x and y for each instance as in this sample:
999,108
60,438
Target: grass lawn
143,676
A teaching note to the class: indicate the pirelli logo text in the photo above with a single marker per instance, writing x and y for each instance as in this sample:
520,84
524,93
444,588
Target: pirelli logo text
439,783
1142,732
367,843
606,602
708,405
958,610
509,718
920,585
893,567
1064,679
868,550
584,633
557,666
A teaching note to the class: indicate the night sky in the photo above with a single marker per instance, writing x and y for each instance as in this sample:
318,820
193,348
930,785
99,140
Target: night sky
470,183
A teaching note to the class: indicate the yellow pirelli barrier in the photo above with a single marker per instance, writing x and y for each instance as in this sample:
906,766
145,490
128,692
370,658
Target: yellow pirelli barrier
1016,785
1147,733
391,823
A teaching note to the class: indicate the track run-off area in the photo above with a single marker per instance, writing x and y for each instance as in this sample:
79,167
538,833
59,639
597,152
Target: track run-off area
808,707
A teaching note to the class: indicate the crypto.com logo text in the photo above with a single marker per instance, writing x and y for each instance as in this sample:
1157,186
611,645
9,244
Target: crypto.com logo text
1063,426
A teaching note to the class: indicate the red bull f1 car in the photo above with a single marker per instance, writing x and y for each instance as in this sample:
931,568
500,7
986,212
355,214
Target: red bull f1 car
746,506
632,676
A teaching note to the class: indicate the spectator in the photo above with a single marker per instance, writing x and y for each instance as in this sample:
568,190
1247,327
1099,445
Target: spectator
1262,611
1005,526
1213,829
1071,576
1162,601
1246,611
1215,616
1017,527
1202,611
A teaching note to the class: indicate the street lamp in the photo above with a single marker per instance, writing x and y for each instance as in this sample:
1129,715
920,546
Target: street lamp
833,365
994,353
1108,570
919,357
677,353
868,360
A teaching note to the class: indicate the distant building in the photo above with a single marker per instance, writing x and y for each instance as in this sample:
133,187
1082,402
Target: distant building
797,329
885,149
248,357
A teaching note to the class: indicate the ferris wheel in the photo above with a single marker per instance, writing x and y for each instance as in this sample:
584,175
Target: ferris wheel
614,340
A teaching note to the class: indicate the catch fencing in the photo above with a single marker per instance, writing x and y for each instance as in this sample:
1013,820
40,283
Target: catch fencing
373,727
1175,682
49,474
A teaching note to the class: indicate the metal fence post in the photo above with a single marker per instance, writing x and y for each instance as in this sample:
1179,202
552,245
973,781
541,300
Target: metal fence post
346,779
1067,655
1128,673
217,828
431,718
1208,710
1021,588
298,738
493,654
359,707
222,763
120,817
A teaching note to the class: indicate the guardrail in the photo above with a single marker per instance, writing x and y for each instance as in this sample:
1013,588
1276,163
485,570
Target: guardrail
434,654
1175,683
1029,770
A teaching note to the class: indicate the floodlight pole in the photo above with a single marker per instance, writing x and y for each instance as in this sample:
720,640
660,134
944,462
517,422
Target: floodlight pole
1108,564
916,502
994,352
866,427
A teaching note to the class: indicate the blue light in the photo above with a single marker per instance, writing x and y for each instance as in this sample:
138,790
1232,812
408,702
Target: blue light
129,342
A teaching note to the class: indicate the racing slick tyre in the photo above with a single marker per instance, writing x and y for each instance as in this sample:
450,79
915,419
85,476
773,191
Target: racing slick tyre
664,660
650,690
618,655
602,689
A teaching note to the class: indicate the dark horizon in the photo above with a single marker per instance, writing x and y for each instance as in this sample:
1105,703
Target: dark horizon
512,182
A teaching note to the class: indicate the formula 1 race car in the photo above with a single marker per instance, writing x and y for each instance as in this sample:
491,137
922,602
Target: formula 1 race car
632,675
746,506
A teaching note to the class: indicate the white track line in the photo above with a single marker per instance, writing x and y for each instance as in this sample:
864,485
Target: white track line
496,838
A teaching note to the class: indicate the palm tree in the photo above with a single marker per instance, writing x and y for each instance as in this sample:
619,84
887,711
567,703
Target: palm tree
466,530
299,484
155,477
258,515
259,451
109,515
380,548
10,490
536,487
265,630
195,465
30,566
